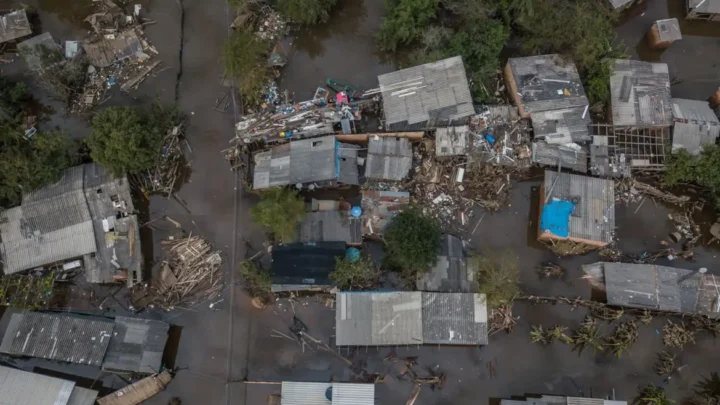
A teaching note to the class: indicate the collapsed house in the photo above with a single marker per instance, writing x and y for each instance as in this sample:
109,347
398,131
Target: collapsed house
315,162
499,136
558,400
657,288
388,158
122,345
410,318
576,208
139,391
22,387
452,272
331,393
304,266
380,207
427,96
640,94
14,25
695,125
85,221
331,226
703,10
548,90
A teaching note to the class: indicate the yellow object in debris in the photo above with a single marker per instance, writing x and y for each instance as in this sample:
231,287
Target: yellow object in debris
282,134
566,92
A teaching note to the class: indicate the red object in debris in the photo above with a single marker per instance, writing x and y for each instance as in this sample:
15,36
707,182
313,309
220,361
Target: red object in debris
341,97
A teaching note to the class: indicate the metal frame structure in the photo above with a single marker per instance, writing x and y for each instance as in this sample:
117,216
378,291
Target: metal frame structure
645,148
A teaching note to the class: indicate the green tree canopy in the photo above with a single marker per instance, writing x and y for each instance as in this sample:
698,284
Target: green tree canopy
703,170
498,276
12,96
306,12
411,241
405,22
281,211
126,139
359,275
244,58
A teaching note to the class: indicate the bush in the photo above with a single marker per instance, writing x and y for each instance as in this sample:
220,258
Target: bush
360,275
62,77
258,280
405,22
652,395
703,170
281,211
244,59
498,276
306,12
126,139
411,242
12,95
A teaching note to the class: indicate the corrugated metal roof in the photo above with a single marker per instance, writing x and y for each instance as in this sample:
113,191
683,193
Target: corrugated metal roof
313,393
452,141
569,124
378,318
669,29
552,155
696,125
305,263
21,387
640,94
547,82
429,95
82,396
138,391
136,345
594,215
704,6
451,272
347,162
331,226
454,319
558,400
616,4
14,25
57,337
388,158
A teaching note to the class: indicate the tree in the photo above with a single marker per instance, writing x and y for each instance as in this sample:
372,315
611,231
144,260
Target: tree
359,275
498,276
306,12
707,391
405,22
652,395
703,170
62,77
281,211
412,240
12,96
258,280
244,58
126,139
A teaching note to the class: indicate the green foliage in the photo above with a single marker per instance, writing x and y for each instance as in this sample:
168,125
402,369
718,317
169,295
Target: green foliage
411,242
28,164
588,336
703,170
405,22
244,59
281,211
127,139
498,276
62,77
652,395
12,95
707,391
306,12
360,275
258,280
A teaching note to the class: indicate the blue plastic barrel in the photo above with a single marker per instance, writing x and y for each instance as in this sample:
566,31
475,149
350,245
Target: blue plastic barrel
352,254
356,211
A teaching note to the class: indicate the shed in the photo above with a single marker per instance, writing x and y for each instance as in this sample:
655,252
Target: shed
138,391
331,226
60,337
136,345
703,10
660,288
573,157
640,94
563,126
578,208
378,318
380,207
14,25
454,319
388,158
663,33
695,125
314,393
21,387
303,266
452,271
452,141
426,96
544,83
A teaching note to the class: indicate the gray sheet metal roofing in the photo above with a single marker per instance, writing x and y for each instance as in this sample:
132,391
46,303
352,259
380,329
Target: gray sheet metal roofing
547,82
696,125
82,396
57,337
594,215
619,3
331,226
568,123
429,95
19,387
454,319
302,161
669,29
705,6
640,94
14,25
452,141
558,400
136,345
313,393
451,272
388,158
550,155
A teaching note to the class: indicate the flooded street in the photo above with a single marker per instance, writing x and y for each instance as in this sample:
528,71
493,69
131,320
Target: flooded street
222,347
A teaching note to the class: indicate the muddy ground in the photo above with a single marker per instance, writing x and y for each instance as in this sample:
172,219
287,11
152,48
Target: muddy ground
221,347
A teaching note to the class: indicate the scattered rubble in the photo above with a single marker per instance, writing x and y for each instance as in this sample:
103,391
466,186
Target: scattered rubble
163,177
499,136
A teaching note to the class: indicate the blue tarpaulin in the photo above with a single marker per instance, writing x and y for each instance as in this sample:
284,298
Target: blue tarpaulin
555,217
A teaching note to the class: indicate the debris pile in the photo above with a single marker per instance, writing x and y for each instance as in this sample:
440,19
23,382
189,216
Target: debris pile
677,335
499,136
631,190
502,319
271,27
168,169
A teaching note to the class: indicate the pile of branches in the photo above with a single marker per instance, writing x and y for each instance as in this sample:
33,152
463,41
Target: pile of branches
677,335
567,247
433,379
502,319
546,336
665,364
588,336
550,270
169,166
623,337
630,189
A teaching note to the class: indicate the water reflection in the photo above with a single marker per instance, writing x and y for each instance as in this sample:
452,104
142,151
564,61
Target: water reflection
346,18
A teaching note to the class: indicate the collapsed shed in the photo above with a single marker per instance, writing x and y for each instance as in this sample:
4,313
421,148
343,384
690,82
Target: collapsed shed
22,387
331,393
388,158
452,141
658,288
695,125
452,272
576,208
427,96
104,51
304,266
331,226
703,10
640,94
410,318
14,25
138,391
